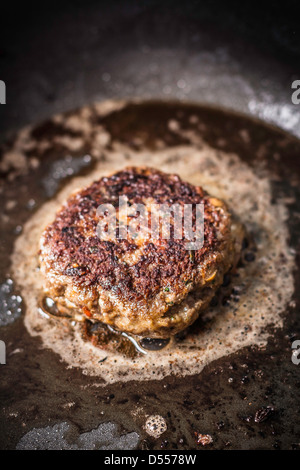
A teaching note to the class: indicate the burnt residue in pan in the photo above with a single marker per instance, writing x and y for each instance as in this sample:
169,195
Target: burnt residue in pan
247,400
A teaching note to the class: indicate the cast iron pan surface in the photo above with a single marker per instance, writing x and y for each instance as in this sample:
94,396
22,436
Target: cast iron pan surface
248,400
237,58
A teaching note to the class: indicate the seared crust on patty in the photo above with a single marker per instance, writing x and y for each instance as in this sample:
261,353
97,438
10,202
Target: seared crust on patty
149,287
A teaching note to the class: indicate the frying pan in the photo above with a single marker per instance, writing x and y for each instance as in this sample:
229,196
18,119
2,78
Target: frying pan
238,63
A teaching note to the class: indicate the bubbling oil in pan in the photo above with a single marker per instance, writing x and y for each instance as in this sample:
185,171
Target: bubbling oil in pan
259,291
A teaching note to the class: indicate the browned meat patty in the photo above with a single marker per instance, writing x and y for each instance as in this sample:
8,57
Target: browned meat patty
147,287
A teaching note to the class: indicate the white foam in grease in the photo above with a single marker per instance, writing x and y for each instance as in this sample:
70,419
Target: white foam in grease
266,284
155,426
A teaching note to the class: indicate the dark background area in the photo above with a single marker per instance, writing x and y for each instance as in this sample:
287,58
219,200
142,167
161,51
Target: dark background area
56,56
